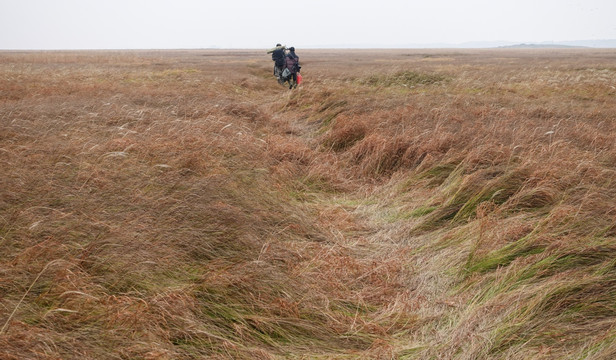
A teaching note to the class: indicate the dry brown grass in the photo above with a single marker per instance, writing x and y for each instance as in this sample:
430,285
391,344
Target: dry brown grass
399,204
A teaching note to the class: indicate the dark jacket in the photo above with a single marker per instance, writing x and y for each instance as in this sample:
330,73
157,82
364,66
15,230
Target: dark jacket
292,62
278,57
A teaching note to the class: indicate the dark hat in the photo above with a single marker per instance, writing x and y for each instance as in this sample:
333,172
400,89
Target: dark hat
291,48
278,45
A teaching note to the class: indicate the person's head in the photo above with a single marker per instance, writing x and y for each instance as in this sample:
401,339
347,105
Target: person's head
278,45
292,49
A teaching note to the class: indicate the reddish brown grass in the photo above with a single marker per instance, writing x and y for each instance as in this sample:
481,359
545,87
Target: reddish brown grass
414,204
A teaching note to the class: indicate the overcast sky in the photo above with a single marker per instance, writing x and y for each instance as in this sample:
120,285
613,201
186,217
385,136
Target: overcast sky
162,24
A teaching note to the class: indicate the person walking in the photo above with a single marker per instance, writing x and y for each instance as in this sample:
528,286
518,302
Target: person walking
278,56
292,63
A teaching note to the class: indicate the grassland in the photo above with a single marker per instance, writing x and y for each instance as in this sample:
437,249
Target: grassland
408,204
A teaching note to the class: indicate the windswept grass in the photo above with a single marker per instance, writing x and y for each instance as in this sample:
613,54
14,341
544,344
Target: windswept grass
404,78
182,205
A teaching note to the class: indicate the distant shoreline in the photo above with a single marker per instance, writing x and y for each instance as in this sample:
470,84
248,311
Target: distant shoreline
545,46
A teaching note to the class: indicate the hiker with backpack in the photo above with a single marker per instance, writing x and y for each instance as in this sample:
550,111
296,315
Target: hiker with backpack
292,65
278,56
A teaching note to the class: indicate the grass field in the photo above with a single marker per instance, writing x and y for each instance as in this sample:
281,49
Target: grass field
407,204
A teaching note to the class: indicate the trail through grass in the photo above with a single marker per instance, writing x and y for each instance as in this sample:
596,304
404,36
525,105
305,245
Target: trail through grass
171,205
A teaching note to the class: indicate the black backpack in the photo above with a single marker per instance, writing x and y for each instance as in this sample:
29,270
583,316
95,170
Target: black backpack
278,56
296,66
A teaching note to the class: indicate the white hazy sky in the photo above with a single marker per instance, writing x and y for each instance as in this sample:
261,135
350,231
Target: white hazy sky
162,24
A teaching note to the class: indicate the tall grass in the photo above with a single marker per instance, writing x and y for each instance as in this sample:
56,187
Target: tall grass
180,204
